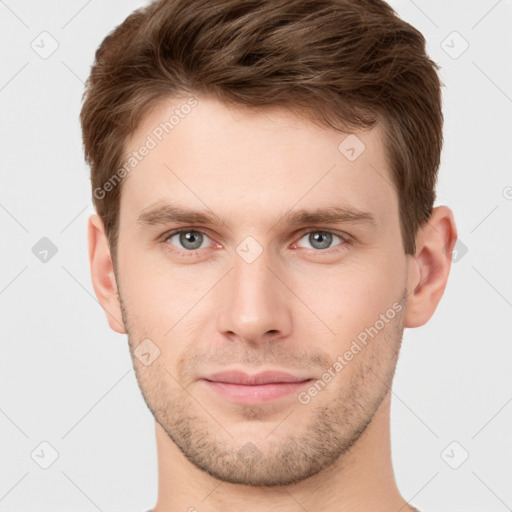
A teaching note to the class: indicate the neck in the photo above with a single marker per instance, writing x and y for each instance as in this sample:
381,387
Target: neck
361,479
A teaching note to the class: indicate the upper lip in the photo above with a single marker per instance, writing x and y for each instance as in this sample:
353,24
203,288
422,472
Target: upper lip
267,377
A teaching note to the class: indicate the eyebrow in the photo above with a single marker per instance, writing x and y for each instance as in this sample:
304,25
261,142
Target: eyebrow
169,213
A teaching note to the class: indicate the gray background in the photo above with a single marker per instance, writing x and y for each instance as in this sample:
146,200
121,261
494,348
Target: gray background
67,380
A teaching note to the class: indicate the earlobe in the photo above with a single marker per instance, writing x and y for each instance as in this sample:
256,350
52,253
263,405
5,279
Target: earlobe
430,266
102,273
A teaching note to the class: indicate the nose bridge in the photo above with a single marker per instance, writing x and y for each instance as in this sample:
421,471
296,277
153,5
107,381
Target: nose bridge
253,300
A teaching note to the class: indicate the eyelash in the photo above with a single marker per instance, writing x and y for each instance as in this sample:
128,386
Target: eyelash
346,239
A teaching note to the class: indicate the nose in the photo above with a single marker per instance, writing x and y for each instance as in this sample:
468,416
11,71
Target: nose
256,305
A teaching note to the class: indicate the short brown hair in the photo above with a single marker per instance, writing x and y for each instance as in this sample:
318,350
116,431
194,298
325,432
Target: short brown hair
346,63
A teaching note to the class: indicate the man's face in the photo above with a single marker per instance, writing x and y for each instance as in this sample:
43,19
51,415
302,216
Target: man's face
258,292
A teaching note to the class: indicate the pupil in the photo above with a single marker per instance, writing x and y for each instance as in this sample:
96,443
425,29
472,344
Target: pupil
189,239
320,240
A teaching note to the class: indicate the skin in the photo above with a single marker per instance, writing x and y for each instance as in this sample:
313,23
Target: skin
296,308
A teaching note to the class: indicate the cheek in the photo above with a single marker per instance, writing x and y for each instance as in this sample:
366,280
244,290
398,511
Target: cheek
153,292
349,298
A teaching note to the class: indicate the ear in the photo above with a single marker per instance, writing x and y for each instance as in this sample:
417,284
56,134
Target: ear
102,274
430,267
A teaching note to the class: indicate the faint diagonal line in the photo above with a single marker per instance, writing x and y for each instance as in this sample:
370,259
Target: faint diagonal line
13,279
492,81
486,14
492,418
391,389
493,287
294,499
73,219
197,401
73,72
13,13
493,210
198,302
424,13
508,507
14,485
13,217
110,389
414,415
393,188
410,499
92,296
386,180
300,300
280,423
76,14
14,76
14,423
81,491
301,198
211,492
193,193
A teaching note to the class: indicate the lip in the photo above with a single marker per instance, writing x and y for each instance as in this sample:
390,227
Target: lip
240,387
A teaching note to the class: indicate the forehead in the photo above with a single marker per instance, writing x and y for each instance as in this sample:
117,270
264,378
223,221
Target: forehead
252,160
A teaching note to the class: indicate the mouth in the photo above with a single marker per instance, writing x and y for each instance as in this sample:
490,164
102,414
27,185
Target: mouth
242,388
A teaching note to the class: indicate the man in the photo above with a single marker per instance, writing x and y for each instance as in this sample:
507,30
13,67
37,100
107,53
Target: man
264,176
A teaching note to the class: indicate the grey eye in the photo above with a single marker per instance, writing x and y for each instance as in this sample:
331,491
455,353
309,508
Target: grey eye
320,239
190,240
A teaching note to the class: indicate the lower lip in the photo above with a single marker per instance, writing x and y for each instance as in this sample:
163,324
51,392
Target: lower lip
245,394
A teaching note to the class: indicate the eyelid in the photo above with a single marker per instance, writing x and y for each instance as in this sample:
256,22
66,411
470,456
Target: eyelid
314,229
345,237
168,234
171,232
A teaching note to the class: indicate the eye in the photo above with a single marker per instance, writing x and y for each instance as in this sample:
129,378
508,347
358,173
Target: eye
191,240
323,240
188,239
